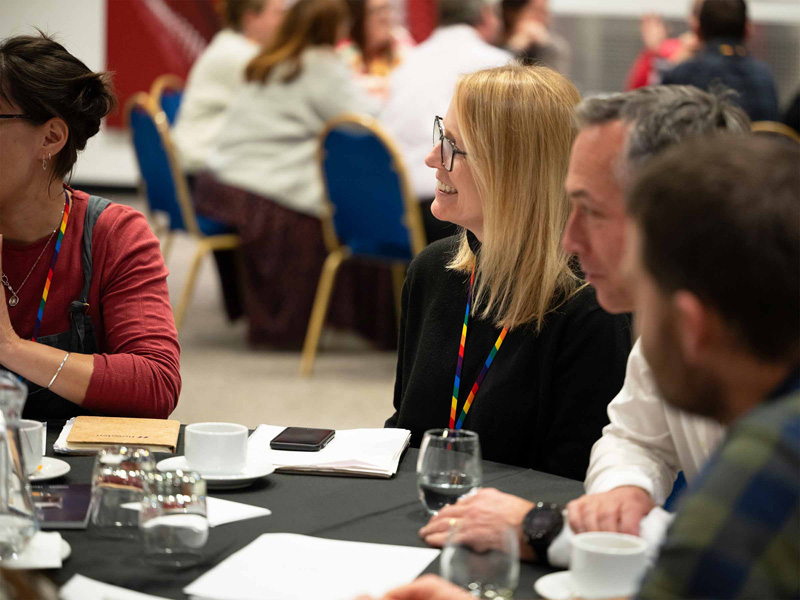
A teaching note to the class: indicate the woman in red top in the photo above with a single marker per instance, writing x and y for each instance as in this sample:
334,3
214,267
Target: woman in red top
85,318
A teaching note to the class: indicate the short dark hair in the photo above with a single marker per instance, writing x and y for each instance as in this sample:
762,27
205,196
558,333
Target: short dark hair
509,11
720,217
233,11
723,18
460,12
45,81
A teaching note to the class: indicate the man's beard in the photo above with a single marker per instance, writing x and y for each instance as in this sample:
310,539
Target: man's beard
684,386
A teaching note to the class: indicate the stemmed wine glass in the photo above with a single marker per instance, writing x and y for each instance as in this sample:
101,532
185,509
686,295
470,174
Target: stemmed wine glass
448,467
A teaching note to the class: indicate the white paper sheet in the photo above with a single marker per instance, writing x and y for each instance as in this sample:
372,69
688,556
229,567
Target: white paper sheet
83,588
371,452
285,566
221,511
42,552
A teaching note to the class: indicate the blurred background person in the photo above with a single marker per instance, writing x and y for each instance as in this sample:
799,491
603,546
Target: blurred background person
210,89
89,332
264,181
661,53
375,46
500,158
217,74
422,87
723,58
528,36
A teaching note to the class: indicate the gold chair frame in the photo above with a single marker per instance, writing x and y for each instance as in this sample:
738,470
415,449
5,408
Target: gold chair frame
169,81
777,128
338,253
205,243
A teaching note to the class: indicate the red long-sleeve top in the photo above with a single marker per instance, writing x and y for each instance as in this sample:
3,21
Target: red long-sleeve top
137,370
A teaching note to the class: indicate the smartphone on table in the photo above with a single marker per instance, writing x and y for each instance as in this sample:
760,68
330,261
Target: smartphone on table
302,439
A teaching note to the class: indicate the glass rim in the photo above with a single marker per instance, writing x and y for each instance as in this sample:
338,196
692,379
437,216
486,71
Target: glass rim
451,434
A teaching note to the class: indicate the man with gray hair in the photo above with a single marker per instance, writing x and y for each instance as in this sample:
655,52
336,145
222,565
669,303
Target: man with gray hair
634,464
421,88
647,443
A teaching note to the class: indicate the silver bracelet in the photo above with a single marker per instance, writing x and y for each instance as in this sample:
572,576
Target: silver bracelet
61,366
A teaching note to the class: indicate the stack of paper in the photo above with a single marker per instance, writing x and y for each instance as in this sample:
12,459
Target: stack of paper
358,452
284,566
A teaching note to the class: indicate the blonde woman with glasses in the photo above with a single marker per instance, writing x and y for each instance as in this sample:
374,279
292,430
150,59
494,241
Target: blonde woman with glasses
499,335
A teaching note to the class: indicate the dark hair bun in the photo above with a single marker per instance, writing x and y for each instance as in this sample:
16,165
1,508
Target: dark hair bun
94,100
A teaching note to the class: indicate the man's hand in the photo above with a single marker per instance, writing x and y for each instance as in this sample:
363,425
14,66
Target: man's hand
480,517
620,509
427,587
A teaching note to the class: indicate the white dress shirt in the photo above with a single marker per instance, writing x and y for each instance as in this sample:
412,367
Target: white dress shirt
421,88
210,89
268,141
648,441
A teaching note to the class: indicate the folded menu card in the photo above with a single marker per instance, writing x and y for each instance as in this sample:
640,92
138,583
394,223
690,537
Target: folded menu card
87,435
286,566
355,452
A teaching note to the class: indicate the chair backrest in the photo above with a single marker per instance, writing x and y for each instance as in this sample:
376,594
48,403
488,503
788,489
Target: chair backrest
776,129
165,184
371,209
167,90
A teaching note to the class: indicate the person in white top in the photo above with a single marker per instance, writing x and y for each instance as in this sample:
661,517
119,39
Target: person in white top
421,88
634,464
263,180
216,75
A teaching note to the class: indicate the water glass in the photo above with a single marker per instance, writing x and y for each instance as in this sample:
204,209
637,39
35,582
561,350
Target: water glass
448,467
484,562
117,483
173,520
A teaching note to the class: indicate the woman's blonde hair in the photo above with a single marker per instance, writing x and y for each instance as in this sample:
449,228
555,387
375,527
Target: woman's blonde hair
517,125
308,23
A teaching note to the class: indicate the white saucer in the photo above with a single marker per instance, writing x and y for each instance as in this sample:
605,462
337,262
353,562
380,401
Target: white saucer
50,469
556,586
65,550
256,468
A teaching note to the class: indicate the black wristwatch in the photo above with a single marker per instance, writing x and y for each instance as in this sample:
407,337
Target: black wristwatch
541,526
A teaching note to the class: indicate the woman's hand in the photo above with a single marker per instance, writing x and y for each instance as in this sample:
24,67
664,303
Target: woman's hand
8,337
427,587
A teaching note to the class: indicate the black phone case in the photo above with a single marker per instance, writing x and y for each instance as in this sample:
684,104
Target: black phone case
302,439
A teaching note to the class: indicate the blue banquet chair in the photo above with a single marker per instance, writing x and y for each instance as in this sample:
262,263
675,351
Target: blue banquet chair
167,91
369,211
167,191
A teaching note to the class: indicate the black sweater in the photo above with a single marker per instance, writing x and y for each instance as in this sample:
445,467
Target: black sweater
543,402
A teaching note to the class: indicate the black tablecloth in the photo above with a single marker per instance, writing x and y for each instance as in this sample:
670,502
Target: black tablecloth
341,508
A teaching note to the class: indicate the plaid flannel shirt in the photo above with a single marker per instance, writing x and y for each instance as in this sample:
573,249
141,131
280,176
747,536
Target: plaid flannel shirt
737,532
725,61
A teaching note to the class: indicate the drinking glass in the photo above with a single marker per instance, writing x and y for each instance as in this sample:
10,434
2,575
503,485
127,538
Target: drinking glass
173,521
482,561
117,489
448,467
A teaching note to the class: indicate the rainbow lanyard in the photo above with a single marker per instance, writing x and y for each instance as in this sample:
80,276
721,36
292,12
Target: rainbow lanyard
484,370
53,260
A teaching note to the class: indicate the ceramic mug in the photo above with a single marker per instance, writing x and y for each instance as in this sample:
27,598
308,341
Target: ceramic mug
607,565
31,435
216,448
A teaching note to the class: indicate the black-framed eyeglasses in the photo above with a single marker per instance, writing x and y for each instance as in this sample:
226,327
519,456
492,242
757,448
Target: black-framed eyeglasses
4,116
448,148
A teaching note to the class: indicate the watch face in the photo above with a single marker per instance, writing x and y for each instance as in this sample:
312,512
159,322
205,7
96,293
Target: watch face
544,523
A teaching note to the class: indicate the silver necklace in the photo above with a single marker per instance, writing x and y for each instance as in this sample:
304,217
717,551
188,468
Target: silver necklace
14,300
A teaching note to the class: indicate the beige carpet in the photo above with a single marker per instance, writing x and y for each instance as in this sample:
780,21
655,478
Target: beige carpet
223,380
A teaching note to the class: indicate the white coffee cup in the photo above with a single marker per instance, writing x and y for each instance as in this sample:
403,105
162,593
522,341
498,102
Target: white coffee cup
31,437
216,448
607,565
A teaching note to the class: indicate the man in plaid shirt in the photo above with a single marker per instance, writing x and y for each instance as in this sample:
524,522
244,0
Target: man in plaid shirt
713,254
725,60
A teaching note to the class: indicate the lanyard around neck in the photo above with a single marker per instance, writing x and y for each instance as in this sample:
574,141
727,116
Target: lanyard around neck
53,260
484,370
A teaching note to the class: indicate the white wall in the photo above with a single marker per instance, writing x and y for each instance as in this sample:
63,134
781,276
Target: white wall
80,25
